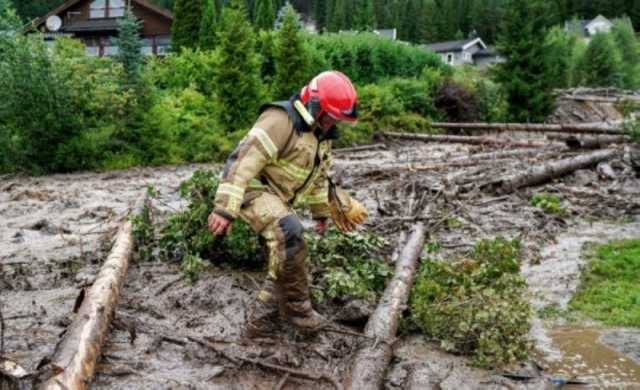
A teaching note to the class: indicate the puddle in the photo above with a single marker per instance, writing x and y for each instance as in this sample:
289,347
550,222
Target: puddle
586,358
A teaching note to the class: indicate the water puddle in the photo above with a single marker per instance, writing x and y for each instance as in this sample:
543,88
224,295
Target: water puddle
586,358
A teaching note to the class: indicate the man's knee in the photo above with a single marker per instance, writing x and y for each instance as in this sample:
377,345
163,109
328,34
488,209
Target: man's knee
293,235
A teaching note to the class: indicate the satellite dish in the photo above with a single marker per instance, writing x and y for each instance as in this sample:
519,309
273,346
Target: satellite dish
54,23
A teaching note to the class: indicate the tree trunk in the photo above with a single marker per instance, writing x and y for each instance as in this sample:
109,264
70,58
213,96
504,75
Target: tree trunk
473,140
571,128
361,148
593,142
74,360
548,171
372,359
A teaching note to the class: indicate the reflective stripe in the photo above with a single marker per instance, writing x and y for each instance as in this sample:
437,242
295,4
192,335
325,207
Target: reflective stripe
231,190
322,198
293,170
266,142
255,183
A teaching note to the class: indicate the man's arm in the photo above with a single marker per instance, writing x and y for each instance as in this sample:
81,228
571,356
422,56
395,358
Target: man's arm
263,143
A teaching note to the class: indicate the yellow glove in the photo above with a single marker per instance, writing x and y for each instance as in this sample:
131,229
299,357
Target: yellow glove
345,211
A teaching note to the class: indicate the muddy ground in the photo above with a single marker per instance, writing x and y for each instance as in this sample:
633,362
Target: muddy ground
56,230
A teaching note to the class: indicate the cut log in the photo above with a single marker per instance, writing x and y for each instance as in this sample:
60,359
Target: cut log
362,148
580,128
74,359
372,359
587,142
549,170
473,140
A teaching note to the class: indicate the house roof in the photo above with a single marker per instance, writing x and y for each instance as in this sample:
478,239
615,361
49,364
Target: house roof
70,3
449,46
92,25
488,52
582,24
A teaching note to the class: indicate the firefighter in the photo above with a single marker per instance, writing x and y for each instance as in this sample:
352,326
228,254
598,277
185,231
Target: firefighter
281,164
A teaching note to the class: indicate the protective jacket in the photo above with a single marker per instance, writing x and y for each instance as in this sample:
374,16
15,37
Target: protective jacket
280,155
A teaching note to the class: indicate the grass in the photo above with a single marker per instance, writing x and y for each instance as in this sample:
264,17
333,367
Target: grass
610,289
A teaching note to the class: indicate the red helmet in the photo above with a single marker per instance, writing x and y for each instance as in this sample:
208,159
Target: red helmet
333,93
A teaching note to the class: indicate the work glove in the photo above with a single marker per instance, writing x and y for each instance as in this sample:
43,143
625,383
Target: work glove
346,212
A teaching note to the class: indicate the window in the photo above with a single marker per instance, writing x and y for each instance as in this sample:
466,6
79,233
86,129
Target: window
116,8
449,58
106,9
98,9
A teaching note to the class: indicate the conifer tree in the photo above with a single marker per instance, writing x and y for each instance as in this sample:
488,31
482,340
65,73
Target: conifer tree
129,45
186,24
365,18
291,61
265,16
208,26
557,47
320,14
236,79
600,65
523,75
629,47
9,20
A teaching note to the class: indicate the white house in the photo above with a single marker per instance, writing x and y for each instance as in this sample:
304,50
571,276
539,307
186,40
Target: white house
472,51
588,28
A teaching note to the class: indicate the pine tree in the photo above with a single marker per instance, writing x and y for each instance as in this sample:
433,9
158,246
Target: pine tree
186,24
9,20
129,45
208,26
629,48
634,14
558,44
601,64
265,16
291,61
365,18
320,14
237,75
523,75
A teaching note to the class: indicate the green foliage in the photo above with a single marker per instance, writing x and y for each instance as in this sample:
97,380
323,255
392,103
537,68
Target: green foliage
367,58
208,26
130,43
188,69
347,266
600,65
610,287
523,74
549,203
291,61
265,15
558,64
477,305
185,30
9,20
236,81
185,236
628,45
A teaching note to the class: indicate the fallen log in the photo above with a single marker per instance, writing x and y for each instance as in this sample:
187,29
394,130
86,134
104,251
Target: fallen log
587,142
601,99
584,128
74,359
463,139
362,148
548,170
372,359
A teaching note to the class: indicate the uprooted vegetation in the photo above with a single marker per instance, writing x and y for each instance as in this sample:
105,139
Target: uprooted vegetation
344,266
476,305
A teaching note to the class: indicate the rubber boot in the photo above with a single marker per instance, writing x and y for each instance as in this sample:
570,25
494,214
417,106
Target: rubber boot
296,300
263,318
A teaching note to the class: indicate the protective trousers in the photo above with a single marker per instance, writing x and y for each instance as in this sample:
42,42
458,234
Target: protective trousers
286,287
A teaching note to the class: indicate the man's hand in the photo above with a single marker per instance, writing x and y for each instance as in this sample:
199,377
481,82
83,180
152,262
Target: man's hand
219,225
321,226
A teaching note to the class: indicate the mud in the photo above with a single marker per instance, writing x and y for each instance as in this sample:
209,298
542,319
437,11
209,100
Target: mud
58,229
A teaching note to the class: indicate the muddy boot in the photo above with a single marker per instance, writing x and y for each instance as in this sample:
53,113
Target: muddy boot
310,322
263,318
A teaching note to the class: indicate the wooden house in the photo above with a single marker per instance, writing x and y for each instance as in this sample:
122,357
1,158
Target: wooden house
95,22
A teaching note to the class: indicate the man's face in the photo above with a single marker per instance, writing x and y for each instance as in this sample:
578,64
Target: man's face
326,121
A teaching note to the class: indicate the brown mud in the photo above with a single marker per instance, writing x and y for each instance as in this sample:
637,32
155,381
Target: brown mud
55,231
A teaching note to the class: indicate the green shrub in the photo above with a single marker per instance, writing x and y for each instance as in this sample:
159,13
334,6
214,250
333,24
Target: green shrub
476,306
549,203
347,266
187,69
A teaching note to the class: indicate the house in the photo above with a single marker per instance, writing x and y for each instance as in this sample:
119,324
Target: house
472,51
95,22
390,33
588,28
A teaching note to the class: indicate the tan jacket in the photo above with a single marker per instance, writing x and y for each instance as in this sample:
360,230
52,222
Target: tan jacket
277,158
